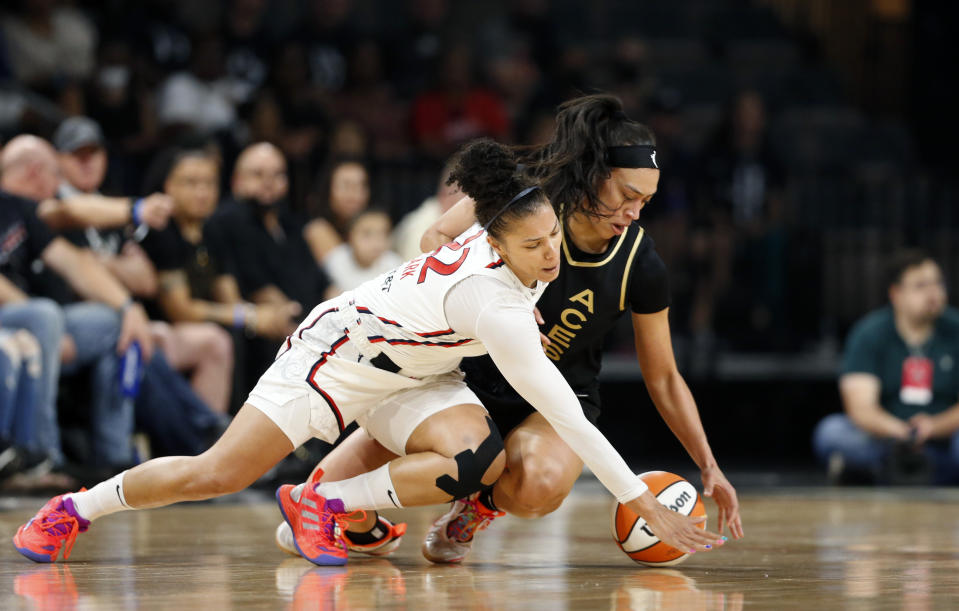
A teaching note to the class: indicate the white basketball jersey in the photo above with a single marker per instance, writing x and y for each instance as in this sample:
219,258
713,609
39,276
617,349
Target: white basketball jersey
401,313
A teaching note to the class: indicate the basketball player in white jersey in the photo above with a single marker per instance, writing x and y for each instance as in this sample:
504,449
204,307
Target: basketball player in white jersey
386,355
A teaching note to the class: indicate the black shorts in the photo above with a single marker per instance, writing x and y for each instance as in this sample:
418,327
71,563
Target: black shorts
505,406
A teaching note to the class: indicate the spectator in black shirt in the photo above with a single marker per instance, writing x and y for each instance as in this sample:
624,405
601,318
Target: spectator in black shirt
273,261
204,350
83,162
197,274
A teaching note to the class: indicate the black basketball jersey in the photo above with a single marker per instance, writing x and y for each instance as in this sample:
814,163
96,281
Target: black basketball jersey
580,308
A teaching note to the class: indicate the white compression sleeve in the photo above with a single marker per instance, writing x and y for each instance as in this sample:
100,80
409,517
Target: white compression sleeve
496,315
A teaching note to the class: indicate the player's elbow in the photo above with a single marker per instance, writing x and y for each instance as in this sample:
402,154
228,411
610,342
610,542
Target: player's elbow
432,239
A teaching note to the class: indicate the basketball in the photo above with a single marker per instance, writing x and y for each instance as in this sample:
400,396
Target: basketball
634,537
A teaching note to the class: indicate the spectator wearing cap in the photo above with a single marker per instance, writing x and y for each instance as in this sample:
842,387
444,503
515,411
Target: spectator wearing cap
83,167
100,332
77,203
204,351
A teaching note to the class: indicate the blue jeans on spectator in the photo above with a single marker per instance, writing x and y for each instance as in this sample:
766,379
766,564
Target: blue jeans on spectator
44,319
95,329
19,386
867,453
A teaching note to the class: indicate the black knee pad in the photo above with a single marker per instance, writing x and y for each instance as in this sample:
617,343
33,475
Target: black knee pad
471,466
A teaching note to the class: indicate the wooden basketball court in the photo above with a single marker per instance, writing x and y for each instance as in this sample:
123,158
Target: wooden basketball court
820,548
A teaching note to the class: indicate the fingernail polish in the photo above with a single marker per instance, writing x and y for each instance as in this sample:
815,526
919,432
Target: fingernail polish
709,547
725,538
692,551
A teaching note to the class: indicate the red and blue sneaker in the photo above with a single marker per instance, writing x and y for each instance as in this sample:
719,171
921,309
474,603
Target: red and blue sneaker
317,523
56,525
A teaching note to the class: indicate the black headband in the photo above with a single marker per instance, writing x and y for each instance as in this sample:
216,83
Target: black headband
632,156
515,199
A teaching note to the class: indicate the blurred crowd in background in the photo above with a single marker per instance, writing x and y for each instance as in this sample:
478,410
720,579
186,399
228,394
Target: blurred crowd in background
271,153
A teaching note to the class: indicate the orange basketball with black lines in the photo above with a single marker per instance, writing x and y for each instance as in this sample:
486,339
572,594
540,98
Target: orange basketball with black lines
636,539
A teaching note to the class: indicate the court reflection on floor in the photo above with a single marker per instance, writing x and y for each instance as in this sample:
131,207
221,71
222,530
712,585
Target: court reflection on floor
670,589
375,583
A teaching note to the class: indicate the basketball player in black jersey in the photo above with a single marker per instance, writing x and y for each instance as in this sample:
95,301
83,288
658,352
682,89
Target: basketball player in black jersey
601,169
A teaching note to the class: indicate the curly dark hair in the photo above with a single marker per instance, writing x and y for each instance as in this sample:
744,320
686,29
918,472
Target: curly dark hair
487,171
572,166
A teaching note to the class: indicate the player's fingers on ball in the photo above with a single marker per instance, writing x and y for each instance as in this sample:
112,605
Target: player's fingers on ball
703,537
709,536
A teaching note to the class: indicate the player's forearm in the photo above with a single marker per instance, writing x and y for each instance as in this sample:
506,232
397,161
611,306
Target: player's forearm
454,221
676,405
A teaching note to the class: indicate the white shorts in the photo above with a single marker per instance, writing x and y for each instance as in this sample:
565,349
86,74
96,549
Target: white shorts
318,393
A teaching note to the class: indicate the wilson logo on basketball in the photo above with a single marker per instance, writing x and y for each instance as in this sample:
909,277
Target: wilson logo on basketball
634,536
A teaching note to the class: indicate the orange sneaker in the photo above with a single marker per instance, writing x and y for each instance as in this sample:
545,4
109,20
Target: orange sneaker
56,525
390,538
317,523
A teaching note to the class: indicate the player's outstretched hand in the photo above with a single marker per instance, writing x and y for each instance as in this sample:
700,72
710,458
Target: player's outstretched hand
717,487
672,528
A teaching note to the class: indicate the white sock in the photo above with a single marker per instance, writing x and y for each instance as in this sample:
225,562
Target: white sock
101,500
373,490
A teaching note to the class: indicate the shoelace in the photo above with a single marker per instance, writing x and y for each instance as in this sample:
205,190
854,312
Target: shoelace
335,524
471,519
52,525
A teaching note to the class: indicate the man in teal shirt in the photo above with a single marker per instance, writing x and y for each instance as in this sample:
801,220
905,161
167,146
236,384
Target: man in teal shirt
900,379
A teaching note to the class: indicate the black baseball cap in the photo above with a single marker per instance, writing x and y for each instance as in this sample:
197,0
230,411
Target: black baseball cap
77,132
